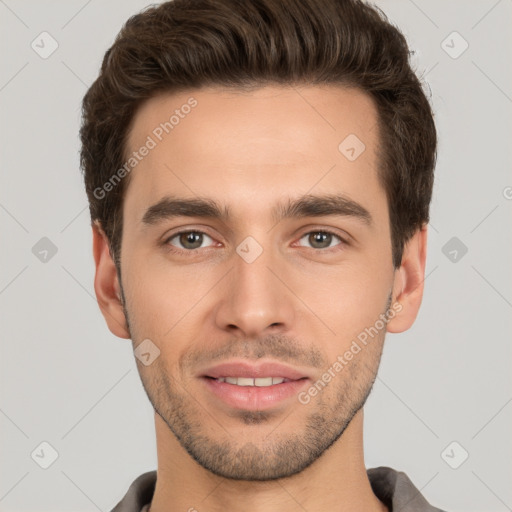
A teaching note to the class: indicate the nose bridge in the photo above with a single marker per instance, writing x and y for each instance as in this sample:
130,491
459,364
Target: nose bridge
256,297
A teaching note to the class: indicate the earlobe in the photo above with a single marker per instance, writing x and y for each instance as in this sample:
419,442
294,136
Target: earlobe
106,284
409,279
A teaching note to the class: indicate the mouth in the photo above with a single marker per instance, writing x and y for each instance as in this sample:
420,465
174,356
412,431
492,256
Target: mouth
241,385
262,382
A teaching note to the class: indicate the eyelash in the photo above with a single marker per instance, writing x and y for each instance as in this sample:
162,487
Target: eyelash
193,252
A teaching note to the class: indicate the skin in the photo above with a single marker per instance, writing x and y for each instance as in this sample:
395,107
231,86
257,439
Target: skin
301,302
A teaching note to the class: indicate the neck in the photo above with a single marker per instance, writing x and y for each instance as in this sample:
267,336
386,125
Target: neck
336,481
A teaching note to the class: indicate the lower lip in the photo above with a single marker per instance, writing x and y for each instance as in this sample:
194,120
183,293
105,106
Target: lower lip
254,397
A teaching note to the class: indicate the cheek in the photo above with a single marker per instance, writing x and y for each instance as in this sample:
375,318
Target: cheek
161,295
348,297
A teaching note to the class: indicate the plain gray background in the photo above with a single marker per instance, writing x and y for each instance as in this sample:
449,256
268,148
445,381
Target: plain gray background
444,387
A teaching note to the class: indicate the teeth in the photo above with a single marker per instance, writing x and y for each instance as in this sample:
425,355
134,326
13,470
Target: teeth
265,381
247,381
244,381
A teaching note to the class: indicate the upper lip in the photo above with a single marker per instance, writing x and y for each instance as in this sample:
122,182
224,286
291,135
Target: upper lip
246,369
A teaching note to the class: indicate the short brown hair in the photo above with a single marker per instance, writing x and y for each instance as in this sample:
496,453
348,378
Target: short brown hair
186,44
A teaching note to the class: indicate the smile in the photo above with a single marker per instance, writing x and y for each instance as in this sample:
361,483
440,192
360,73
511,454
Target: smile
247,381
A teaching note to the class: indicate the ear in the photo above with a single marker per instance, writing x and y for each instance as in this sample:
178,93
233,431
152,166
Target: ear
408,284
106,284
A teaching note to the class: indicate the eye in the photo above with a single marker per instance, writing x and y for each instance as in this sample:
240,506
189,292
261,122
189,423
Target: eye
321,237
189,240
192,240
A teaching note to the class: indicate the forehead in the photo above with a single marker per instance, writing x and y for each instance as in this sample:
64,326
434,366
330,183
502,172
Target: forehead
247,148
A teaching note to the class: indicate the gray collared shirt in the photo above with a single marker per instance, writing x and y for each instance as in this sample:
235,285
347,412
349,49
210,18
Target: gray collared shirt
393,488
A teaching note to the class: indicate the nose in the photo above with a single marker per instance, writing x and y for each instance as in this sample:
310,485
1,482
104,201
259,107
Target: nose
256,296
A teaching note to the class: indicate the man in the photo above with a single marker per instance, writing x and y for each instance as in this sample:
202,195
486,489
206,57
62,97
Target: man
259,175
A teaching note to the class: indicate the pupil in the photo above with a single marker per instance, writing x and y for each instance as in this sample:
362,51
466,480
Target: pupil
189,238
320,237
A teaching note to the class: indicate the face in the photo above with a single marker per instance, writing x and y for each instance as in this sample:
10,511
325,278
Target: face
279,270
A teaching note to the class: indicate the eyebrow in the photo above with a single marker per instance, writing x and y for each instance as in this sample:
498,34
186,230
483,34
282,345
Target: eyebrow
305,206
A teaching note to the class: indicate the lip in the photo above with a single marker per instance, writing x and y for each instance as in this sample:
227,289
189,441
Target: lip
253,397
246,369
